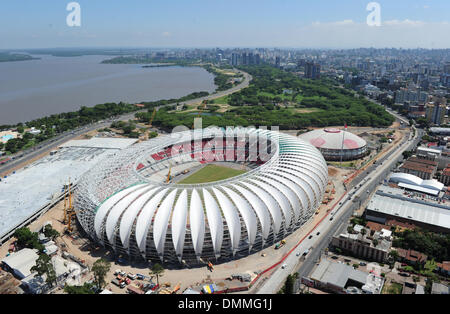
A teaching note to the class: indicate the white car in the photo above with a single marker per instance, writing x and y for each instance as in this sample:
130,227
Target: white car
283,266
298,254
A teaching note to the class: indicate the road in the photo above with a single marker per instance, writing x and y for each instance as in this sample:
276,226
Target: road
360,188
24,157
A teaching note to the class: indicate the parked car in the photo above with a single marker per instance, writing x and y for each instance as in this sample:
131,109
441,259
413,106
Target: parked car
318,233
310,237
405,275
140,276
362,264
283,266
131,276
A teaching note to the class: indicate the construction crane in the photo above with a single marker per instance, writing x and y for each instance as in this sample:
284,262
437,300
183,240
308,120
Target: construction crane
69,212
69,225
68,207
168,175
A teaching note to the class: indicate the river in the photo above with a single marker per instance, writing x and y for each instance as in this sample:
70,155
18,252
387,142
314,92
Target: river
37,88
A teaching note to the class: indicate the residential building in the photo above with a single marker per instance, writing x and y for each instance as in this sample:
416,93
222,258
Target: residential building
411,257
312,70
443,268
344,279
372,246
435,113
422,168
445,177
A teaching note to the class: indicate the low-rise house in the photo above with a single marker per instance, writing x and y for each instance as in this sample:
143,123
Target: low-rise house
411,257
344,279
443,268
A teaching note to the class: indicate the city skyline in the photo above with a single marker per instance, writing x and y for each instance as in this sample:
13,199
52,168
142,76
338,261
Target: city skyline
293,24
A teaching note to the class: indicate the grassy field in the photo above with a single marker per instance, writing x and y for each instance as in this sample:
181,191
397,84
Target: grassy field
393,288
211,173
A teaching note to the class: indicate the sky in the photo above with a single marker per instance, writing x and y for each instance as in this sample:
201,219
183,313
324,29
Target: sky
225,23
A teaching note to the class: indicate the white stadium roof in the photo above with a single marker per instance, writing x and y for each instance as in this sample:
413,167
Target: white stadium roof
271,199
332,139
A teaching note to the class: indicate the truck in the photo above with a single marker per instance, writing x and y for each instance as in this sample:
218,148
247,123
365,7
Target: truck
134,290
280,245
118,283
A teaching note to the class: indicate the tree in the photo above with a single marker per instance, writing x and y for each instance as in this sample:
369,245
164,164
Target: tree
393,254
51,233
157,270
84,289
27,239
363,231
44,266
100,268
289,285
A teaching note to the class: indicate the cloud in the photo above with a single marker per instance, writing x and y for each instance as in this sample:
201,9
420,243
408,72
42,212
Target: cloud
404,23
166,34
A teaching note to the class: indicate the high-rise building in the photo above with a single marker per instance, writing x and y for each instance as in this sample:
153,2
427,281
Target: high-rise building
312,70
234,59
257,59
435,113
278,62
244,59
251,59
447,68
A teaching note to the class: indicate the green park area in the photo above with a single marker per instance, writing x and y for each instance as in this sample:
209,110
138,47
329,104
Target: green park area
212,173
278,98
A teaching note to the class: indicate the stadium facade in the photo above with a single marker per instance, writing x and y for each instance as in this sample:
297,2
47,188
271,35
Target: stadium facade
336,145
121,206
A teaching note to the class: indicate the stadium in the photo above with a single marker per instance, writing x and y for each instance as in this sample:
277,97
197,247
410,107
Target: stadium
159,200
337,145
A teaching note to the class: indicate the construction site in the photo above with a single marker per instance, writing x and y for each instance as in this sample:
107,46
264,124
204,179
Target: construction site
74,252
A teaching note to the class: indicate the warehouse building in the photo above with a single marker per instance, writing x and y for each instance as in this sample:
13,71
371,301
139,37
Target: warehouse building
392,204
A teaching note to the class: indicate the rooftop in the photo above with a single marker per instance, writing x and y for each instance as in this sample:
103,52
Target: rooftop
22,261
393,202
339,274
23,194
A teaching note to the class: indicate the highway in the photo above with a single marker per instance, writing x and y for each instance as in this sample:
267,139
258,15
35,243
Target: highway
361,188
23,157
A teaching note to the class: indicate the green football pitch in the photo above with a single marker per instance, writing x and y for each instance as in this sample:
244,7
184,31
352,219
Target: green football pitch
212,173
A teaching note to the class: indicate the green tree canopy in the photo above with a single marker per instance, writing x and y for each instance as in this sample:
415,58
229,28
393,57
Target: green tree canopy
100,268
157,270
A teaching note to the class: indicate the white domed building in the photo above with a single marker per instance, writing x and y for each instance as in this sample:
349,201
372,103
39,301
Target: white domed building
123,205
335,144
